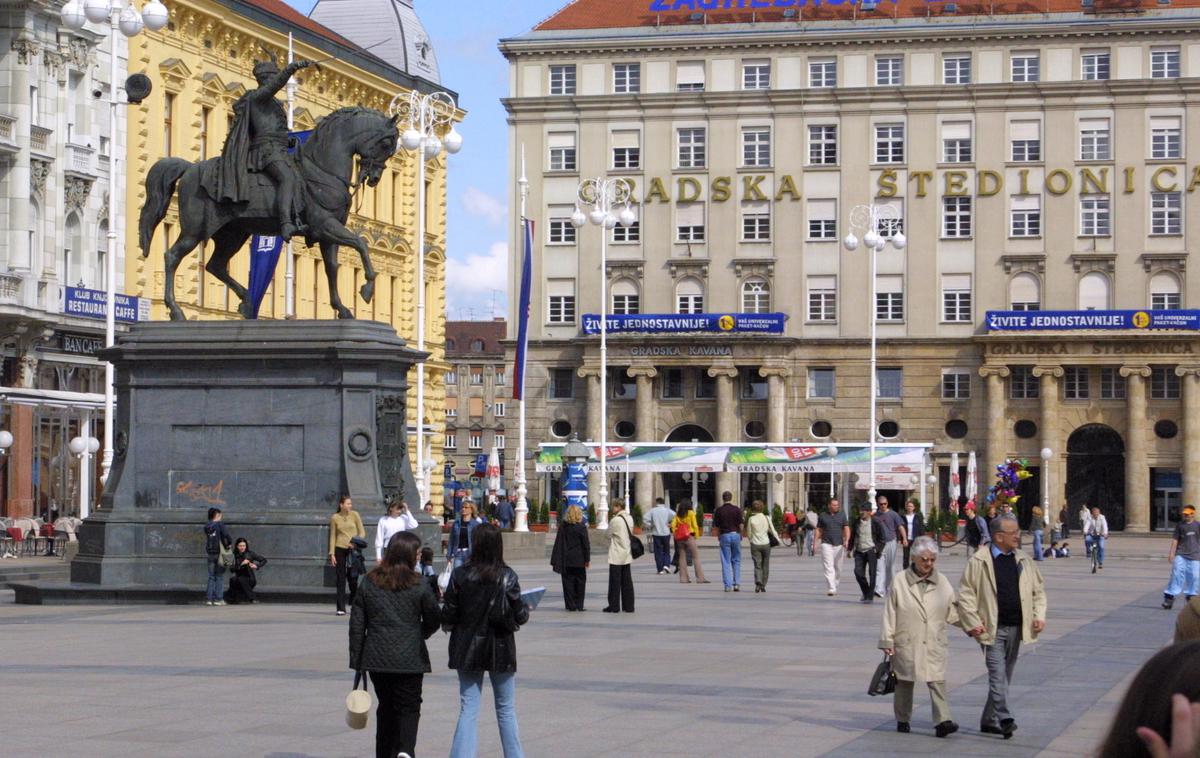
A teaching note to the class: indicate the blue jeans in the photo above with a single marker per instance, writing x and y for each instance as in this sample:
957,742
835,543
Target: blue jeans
1096,543
460,556
215,572
1185,578
504,690
1037,544
731,558
662,551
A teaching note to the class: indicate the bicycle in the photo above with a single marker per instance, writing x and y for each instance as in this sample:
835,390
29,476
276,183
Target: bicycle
1095,556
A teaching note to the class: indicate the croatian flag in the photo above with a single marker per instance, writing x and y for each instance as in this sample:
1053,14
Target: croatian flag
523,312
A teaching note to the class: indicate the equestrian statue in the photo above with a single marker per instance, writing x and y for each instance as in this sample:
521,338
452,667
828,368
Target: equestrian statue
257,187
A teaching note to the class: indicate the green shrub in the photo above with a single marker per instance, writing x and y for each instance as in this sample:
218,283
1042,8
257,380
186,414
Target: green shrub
777,518
591,514
635,510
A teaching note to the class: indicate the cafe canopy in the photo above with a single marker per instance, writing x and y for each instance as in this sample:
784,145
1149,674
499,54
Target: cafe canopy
893,459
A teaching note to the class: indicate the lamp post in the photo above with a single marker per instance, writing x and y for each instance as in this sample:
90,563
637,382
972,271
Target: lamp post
1047,454
84,448
831,453
426,116
603,196
867,220
129,22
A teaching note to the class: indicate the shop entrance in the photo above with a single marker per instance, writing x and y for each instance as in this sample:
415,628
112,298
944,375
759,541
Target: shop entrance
1167,485
679,485
1096,472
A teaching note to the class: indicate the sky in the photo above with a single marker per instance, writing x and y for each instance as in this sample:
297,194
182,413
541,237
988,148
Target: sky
464,35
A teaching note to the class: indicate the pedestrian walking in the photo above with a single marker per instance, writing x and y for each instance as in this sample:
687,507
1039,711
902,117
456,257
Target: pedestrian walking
1064,520
216,536
505,513
759,531
914,526
894,537
976,528
1096,532
833,534
571,557
1184,557
1085,515
1037,527
393,614
684,530
727,518
866,545
244,579
657,522
344,525
482,611
791,525
397,519
810,530
461,534
1001,603
620,560
915,617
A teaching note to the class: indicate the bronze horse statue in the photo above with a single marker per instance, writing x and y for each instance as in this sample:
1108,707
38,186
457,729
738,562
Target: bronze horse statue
326,164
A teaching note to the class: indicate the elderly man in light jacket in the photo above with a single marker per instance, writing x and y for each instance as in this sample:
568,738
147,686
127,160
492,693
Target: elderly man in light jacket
918,608
1001,602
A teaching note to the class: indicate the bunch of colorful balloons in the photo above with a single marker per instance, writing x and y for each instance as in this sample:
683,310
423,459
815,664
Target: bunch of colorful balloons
1008,477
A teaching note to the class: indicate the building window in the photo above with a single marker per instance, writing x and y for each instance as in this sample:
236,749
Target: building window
1164,63
889,143
1076,383
168,123
756,296
889,71
956,142
756,146
889,297
1026,141
562,80
627,78
627,150
956,69
477,376
672,384
562,301
689,76
822,298
1026,216
1164,383
706,386
822,73
1166,213
562,151
889,383
451,441
498,441
562,384
498,410
1166,137
628,234
822,219
692,147
1093,292
756,74
1095,143
956,384
1026,67
475,440
822,383
623,386
1024,293
625,299
822,145
560,229
756,221
451,376
956,217
1022,384
1165,292
1095,65
1112,384
956,298
1095,219
499,378
689,296
689,222
451,411
754,385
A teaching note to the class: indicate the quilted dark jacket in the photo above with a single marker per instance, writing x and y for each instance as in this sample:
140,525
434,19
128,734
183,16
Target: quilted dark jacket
477,642
388,629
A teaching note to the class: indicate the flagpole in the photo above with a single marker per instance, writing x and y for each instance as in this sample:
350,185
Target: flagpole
522,512
289,266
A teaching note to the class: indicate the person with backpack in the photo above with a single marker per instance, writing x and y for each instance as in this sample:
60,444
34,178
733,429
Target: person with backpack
216,538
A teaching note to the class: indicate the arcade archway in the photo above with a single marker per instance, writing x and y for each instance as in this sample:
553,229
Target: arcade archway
1096,473
678,486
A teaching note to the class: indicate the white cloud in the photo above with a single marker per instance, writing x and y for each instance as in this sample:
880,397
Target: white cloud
479,203
472,283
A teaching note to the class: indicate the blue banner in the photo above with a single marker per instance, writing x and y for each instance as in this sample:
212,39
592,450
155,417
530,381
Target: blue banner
675,323
264,256
77,301
1025,321
575,489
523,311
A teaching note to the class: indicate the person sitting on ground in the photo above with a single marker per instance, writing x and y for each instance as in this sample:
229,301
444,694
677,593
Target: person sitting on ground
1051,551
1064,551
1160,715
243,580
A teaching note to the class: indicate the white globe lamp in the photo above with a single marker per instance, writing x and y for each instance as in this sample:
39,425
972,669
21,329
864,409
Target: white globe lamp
155,15
899,241
73,16
130,21
97,11
453,141
411,139
851,242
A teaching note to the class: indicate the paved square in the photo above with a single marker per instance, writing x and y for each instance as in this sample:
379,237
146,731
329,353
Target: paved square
695,672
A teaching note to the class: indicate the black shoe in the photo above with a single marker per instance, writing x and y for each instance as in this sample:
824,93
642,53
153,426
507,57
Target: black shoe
737,588
764,588
628,610
581,610
903,727
990,729
866,600
611,610
1168,601
1007,727
945,729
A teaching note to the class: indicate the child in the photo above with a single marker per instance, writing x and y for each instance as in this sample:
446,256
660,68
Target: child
1064,551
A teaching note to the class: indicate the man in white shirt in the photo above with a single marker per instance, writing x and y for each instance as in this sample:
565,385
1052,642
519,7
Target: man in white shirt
658,522
398,519
1096,531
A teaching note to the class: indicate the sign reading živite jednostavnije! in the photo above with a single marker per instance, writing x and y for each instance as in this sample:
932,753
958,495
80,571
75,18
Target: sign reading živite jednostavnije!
1026,321
674,323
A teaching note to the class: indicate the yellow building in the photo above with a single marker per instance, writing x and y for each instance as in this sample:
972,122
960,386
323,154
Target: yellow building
200,64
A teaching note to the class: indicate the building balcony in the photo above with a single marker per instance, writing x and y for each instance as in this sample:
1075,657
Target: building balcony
81,161
39,141
8,134
10,288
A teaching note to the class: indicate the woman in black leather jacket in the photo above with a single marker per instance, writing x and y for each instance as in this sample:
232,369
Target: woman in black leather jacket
245,563
482,610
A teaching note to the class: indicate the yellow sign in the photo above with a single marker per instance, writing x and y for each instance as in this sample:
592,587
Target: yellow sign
1141,319
726,323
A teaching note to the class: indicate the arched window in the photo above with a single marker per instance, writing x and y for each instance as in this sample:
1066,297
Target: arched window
625,299
689,296
1093,292
1165,292
756,295
72,271
1025,293
477,346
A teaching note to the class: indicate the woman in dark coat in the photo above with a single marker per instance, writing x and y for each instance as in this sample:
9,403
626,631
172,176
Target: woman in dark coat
482,610
394,612
243,581
571,557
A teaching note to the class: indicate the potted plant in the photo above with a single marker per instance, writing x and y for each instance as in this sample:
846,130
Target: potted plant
539,522
635,510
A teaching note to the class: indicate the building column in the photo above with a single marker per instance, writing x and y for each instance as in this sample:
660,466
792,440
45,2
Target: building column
777,396
1190,378
1050,433
594,426
997,435
727,422
1137,462
646,413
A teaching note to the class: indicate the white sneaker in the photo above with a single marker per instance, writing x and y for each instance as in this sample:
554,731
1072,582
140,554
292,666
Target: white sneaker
218,602
209,602
341,613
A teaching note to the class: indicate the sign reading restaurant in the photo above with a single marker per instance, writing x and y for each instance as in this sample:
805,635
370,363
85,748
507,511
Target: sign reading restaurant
1018,321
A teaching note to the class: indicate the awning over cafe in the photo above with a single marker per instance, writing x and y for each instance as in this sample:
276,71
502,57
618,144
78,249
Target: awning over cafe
661,457
894,459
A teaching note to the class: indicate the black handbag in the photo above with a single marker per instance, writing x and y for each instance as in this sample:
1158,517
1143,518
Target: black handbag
772,540
636,547
883,682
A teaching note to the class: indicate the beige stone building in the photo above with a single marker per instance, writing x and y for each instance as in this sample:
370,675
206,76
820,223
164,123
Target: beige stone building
478,403
1035,162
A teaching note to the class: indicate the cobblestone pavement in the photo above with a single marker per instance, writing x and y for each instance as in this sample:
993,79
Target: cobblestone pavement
695,672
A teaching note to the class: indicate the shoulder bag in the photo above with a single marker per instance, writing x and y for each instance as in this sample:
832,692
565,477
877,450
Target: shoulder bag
226,553
883,682
358,703
636,548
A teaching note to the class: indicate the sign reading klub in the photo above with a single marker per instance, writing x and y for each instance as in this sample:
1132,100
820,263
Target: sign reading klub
86,303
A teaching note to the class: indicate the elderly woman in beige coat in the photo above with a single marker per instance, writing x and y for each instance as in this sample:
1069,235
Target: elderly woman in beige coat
919,606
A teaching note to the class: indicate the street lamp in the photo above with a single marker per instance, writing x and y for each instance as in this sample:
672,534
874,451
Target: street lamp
603,196
867,220
84,448
129,22
426,116
1047,454
831,453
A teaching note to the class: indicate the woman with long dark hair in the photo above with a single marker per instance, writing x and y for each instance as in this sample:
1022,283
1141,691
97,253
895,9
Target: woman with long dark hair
1145,723
393,614
344,525
245,563
482,610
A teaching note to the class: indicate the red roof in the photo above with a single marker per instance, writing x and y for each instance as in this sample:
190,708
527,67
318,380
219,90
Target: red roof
461,334
617,14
